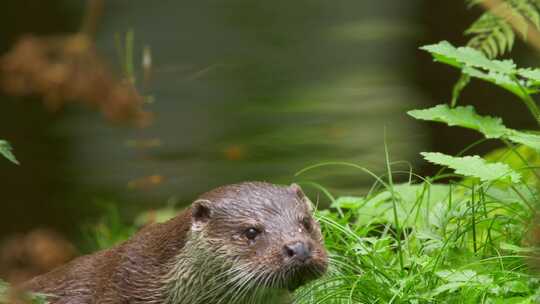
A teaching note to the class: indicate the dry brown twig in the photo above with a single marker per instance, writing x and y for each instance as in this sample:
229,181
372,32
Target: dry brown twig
94,9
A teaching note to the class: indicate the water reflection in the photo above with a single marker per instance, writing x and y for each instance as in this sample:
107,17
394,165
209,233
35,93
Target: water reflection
241,91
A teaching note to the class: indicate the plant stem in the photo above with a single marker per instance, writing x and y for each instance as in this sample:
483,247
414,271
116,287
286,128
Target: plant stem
94,10
394,205
525,162
533,107
528,100
130,74
473,220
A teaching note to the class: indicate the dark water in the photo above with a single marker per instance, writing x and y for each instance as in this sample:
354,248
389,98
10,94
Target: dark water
243,90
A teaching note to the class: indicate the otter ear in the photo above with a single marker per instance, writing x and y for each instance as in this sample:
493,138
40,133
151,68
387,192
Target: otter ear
301,196
200,213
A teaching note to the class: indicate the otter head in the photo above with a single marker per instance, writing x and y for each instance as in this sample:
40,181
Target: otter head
265,234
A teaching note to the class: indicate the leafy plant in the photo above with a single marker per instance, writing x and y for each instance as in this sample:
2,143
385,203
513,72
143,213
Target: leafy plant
109,231
460,243
5,150
424,242
474,166
522,82
466,117
8,296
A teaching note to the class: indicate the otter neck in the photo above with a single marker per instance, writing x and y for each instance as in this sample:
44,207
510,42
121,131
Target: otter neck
203,274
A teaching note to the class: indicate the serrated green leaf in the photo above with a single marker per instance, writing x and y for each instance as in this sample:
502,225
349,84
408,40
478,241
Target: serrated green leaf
5,150
466,56
442,52
466,117
527,139
531,74
348,202
476,64
491,127
499,79
474,166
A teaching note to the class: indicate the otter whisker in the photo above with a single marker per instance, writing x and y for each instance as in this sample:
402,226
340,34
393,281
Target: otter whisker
248,284
237,282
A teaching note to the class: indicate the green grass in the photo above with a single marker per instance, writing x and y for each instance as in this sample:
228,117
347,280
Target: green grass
9,297
414,242
426,242
422,241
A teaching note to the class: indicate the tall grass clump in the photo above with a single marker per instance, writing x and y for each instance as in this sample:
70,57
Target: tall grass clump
462,235
426,242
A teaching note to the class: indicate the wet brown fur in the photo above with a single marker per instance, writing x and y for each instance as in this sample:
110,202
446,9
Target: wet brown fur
122,274
134,271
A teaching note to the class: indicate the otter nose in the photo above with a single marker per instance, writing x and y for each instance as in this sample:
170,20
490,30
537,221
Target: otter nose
298,250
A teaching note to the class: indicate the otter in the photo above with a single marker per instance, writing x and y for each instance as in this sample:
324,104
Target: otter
252,242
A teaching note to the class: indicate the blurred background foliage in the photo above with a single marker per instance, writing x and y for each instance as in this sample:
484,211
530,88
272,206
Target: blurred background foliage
239,90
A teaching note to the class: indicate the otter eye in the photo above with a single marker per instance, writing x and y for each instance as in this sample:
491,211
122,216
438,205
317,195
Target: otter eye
251,233
306,222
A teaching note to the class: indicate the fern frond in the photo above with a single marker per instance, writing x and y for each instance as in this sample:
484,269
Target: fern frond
529,9
493,35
